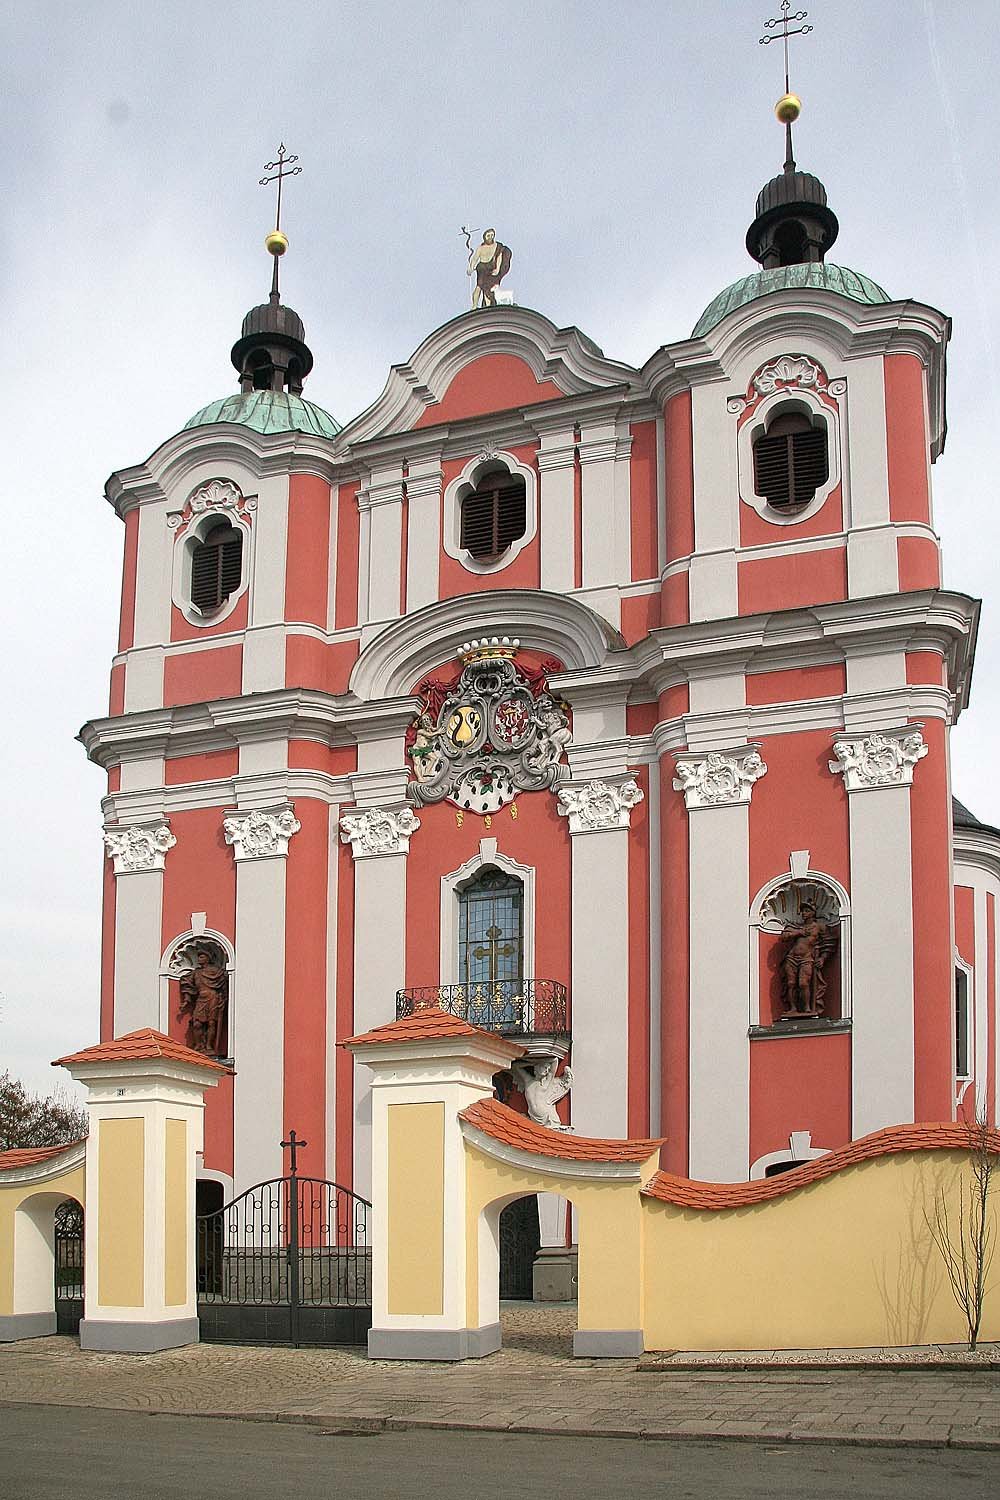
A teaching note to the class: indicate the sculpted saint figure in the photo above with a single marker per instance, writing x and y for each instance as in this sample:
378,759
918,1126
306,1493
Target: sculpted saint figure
204,999
489,263
553,735
812,942
543,1090
425,751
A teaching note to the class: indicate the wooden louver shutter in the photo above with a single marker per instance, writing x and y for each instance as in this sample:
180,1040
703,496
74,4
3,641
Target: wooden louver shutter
790,462
216,568
494,515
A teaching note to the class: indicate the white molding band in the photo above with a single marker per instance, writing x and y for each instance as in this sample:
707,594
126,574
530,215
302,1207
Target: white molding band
262,833
140,847
379,830
717,779
596,806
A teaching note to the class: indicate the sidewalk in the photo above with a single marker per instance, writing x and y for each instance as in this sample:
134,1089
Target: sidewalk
534,1385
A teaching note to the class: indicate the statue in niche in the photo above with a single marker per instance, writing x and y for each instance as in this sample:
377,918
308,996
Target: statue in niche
811,943
204,991
489,263
543,1090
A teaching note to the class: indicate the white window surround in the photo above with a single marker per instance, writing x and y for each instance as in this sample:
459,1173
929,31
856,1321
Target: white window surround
487,854
464,484
965,1077
800,1149
786,400
187,539
197,933
799,872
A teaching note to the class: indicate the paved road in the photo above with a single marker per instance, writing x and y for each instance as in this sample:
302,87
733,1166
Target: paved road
47,1453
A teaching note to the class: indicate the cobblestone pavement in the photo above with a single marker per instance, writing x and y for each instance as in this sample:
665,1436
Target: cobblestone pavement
533,1385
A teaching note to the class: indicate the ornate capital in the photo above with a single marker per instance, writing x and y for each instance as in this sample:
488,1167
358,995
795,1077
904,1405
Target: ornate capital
379,830
594,806
262,833
142,846
869,761
716,779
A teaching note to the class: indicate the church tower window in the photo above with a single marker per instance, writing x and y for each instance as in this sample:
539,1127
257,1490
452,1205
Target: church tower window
790,461
491,930
216,567
493,515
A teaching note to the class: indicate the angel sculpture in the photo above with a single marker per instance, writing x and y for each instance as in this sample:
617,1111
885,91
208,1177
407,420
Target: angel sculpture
553,734
812,943
543,1090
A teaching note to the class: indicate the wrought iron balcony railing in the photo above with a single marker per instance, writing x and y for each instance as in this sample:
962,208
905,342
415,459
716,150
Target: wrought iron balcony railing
516,1007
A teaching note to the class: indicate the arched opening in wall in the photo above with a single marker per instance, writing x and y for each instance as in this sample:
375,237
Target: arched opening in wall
963,1026
791,459
791,243
801,954
528,1270
493,515
68,1244
216,566
197,972
261,365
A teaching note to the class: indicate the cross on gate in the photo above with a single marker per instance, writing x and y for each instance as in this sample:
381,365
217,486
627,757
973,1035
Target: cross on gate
494,951
294,1145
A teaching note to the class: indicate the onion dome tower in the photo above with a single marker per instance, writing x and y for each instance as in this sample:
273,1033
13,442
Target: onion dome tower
271,356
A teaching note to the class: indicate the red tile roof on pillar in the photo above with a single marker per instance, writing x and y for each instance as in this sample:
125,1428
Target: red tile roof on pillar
428,1024
30,1156
508,1127
685,1193
145,1045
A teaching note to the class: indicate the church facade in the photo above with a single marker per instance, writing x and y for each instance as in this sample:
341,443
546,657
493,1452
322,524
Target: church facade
607,707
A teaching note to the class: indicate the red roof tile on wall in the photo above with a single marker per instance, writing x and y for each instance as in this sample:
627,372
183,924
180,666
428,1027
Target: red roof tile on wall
30,1156
505,1125
425,1025
685,1193
141,1046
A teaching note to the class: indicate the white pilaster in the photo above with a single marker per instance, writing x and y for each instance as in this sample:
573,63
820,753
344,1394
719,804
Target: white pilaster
382,500
260,846
138,853
598,449
556,471
717,788
878,773
423,533
713,580
598,814
154,564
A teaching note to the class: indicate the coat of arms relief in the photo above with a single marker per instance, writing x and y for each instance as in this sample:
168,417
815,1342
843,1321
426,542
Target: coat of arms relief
495,732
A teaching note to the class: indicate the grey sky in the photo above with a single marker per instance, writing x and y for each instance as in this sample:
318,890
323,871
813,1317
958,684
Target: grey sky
617,147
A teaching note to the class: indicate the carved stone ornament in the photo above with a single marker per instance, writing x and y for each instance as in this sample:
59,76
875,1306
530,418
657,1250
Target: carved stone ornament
261,834
795,370
495,732
718,780
139,848
217,495
597,805
878,760
379,830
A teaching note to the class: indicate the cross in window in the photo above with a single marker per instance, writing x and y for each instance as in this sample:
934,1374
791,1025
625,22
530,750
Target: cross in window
494,951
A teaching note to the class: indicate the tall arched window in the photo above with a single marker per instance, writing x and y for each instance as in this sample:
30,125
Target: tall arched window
790,461
494,514
491,930
216,566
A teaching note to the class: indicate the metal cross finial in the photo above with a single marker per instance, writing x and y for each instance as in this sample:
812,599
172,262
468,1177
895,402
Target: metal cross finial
294,1145
788,28
279,170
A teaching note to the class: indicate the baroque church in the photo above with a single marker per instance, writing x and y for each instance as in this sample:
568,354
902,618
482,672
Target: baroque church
604,707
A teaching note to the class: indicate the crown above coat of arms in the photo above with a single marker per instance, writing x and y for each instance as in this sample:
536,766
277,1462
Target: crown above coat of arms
490,648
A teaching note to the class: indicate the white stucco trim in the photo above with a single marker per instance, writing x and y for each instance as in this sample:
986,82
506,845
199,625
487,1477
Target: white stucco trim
44,1171
801,1148
758,925
788,399
185,541
962,1079
551,1166
487,854
463,485
197,932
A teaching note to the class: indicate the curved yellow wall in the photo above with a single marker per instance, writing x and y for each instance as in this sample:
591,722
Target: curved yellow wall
12,1194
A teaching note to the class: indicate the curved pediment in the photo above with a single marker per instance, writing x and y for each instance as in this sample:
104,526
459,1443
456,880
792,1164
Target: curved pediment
489,360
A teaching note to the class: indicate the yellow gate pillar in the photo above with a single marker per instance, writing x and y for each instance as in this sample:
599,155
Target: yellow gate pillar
146,1103
427,1068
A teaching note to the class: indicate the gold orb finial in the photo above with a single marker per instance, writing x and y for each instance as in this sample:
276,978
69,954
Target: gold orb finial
276,243
788,108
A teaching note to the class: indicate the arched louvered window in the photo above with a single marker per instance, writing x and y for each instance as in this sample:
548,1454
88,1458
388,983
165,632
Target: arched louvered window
494,514
790,461
216,567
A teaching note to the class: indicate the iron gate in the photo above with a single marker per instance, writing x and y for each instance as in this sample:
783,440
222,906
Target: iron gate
68,1247
287,1262
519,1242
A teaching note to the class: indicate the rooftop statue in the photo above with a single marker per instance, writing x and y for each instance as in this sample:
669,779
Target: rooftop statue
489,263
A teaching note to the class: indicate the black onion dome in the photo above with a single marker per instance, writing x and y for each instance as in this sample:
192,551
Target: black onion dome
274,318
793,222
271,352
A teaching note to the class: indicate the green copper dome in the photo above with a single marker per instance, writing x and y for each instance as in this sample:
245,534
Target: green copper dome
788,278
268,411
